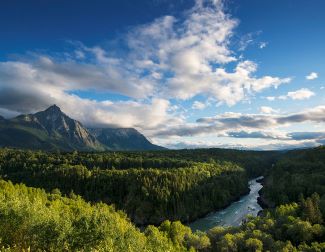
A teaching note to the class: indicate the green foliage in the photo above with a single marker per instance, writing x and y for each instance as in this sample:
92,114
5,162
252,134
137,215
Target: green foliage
298,174
150,190
281,229
253,244
256,163
32,220
311,210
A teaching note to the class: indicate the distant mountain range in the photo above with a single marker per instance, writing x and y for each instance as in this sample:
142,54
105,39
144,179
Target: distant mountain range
52,129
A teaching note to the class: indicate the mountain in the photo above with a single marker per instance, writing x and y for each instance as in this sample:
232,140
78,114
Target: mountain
52,129
49,129
123,139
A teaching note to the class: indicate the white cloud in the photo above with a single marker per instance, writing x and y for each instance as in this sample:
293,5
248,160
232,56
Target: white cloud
198,105
30,87
236,122
312,76
249,39
301,94
262,45
268,110
143,116
245,144
271,98
194,51
195,143
246,40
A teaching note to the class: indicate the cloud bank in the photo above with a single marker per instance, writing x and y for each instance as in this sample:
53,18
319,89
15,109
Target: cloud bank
255,126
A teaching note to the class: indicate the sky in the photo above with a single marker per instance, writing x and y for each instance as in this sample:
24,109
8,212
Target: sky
247,74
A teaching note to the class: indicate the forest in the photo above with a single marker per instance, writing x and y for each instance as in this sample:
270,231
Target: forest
107,201
149,189
299,173
33,220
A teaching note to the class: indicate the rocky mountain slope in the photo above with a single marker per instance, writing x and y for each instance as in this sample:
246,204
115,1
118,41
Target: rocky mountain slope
52,129
123,139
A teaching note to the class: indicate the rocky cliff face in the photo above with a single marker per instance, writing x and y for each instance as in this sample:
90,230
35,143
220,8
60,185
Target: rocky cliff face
55,122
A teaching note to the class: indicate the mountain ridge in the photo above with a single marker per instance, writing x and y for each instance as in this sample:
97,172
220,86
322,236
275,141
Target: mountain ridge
52,129
118,138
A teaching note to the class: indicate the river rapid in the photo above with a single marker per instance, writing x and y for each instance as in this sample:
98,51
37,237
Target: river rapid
234,214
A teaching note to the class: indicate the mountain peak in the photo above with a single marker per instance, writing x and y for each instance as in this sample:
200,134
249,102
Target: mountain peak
53,109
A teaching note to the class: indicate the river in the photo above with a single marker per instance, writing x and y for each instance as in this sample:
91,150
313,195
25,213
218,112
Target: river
234,214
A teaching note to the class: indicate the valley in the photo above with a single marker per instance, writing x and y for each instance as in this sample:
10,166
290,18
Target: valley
168,189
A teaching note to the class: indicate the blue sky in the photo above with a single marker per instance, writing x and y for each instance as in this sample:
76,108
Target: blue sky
204,73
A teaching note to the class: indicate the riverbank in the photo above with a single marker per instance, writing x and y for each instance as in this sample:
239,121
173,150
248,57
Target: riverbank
235,213
262,201
235,199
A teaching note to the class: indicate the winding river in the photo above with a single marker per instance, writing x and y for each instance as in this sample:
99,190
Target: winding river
234,214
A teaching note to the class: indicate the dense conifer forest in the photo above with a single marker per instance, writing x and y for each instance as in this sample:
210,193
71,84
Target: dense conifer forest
149,189
300,173
96,201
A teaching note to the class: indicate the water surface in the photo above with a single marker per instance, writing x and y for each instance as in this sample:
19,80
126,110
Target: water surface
235,213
